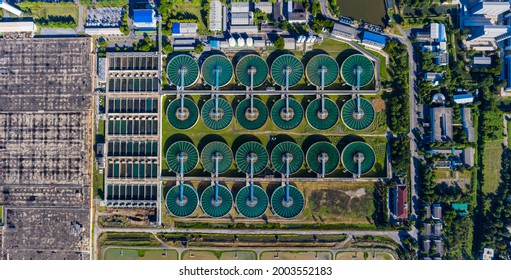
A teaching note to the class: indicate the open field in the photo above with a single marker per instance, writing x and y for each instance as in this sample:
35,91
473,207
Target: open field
296,255
140,254
1,215
42,10
492,165
368,255
218,255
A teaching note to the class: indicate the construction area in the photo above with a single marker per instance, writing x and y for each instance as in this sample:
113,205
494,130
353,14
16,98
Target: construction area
45,147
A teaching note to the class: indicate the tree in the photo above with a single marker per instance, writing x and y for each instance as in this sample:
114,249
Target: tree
279,43
316,8
199,48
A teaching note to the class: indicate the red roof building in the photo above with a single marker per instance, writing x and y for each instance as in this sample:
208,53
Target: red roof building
402,202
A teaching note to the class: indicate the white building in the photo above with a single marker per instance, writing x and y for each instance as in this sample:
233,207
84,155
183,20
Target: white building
240,7
4,5
241,18
215,16
265,7
17,27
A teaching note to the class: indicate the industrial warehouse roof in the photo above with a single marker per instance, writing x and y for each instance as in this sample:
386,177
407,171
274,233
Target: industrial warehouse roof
290,64
182,120
218,205
290,151
349,70
320,116
322,63
251,151
254,119
219,116
213,64
252,64
184,207
214,151
252,208
357,121
294,205
287,118
350,154
182,155
322,150
183,65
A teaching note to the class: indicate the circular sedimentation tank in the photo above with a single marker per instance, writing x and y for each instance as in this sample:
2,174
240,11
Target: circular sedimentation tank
215,63
287,118
251,152
182,207
216,206
319,152
291,207
185,66
322,117
252,118
361,120
319,65
216,152
286,64
182,119
358,151
287,151
255,207
349,70
217,118
252,66
184,152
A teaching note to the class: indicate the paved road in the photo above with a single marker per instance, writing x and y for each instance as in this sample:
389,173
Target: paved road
325,11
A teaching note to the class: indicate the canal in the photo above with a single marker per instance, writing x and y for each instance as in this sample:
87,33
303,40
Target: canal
372,11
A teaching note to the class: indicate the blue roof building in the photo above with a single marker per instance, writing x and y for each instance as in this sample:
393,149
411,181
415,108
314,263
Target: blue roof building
184,28
144,19
373,40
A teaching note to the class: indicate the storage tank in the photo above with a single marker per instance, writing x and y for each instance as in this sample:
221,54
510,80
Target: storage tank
241,42
232,42
250,42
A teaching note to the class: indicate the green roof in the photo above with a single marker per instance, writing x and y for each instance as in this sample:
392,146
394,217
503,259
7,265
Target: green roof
319,63
255,121
185,207
294,205
253,150
252,64
183,64
219,207
217,120
182,121
351,153
221,63
215,150
322,119
254,208
357,121
283,120
182,150
281,64
287,150
349,70
326,151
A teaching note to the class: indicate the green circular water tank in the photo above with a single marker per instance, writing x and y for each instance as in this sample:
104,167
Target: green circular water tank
254,119
256,207
216,151
358,150
251,151
252,65
185,152
182,120
217,120
218,207
287,151
214,63
183,64
290,208
354,120
290,64
322,150
182,208
322,118
290,119
322,63
349,70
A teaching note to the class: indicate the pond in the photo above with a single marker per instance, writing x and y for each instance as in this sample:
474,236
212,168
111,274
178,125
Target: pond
372,11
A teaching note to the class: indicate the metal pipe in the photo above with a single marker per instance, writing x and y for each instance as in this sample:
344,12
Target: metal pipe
359,165
359,71
323,162
181,175
251,178
182,73
216,192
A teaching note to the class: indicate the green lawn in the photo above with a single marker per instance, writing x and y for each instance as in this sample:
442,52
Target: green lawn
140,254
1,215
492,165
234,135
43,10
